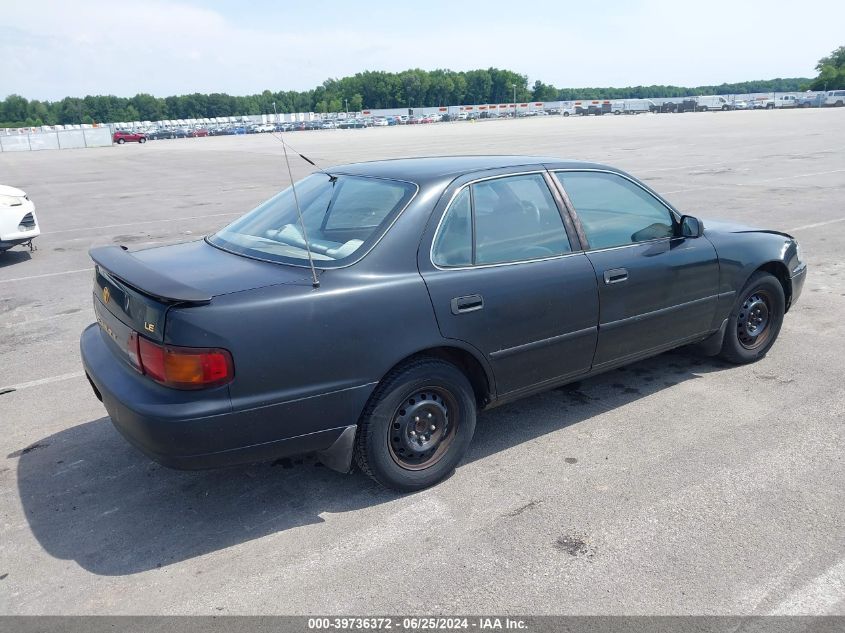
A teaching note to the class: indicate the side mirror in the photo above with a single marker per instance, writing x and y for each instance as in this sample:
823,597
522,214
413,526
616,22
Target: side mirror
691,227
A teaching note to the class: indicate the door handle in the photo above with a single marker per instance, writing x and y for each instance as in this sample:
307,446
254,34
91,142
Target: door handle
468,303
615,275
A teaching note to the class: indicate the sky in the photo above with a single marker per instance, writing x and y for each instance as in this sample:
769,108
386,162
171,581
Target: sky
52,49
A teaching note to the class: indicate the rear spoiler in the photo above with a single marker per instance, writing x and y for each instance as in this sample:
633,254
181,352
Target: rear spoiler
120,263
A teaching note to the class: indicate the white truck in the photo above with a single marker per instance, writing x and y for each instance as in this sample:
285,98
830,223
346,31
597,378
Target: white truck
834,98
633,106
778,101
707,103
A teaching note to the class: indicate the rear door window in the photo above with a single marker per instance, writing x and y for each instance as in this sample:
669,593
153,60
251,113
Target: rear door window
508,219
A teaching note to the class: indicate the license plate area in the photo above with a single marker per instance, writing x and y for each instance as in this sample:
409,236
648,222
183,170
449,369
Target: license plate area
115,332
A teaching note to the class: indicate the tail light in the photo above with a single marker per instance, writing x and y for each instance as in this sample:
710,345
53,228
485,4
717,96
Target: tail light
181,367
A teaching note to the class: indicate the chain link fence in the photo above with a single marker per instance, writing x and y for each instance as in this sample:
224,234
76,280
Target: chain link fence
62,139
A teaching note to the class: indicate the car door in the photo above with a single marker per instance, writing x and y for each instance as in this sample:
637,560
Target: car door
505,276
657,289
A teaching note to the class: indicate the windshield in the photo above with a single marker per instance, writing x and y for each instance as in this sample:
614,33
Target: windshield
343,215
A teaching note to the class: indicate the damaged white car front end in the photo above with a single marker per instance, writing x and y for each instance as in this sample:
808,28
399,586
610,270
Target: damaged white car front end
18,224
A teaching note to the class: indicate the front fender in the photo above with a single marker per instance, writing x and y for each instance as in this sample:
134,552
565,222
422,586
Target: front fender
743,252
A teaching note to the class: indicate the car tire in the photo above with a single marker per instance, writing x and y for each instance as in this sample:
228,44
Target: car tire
121,141
566,114
762,299
421,399
142,140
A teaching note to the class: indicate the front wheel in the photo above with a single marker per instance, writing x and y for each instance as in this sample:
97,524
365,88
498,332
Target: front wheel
755,321
142,140
121,141
417,426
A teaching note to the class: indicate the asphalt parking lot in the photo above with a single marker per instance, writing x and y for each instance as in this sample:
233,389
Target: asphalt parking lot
679,485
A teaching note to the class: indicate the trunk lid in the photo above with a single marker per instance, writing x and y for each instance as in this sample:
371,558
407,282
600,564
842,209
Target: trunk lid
138,288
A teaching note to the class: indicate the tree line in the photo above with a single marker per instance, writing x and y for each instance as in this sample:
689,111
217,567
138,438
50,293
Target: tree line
364,90
831,72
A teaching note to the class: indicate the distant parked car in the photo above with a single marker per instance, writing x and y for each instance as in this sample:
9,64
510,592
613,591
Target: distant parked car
18,224
123,136
159,134
380,123
739,105
811,100
835,98
786,101
201,131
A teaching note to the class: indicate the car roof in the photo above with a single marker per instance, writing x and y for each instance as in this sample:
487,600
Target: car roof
427,168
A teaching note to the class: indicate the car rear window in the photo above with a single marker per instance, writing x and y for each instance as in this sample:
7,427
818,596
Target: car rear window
343,216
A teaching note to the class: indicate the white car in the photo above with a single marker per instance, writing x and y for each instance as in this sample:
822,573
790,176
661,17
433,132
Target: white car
18,224
380,123
740,105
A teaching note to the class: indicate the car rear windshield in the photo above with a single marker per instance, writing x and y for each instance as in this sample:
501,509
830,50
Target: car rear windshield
343,216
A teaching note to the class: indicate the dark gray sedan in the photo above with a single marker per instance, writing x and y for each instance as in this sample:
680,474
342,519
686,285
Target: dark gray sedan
443,286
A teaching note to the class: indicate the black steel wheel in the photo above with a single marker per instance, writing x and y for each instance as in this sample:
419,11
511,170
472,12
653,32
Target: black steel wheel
755,320
753,324
423,429
417,425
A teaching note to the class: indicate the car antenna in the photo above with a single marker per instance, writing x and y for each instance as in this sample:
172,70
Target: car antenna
315,281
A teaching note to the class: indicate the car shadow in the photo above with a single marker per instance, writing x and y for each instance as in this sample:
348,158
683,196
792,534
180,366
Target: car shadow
90,497
7,258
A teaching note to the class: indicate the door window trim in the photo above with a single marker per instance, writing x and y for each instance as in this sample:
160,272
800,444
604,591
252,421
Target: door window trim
576,248
675,215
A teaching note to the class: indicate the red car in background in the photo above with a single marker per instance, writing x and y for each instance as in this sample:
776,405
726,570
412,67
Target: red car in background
200,131
122,136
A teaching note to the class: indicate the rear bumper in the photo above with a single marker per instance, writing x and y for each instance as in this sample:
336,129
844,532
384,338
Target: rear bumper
193,430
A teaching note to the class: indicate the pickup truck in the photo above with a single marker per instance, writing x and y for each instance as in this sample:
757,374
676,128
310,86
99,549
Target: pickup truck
780,101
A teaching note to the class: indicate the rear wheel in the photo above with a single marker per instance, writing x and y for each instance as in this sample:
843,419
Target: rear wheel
417,426
142,140
755,321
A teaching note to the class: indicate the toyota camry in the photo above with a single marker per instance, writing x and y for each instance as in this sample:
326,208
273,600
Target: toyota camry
369,313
